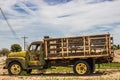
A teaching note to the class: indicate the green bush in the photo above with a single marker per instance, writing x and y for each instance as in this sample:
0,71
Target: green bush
24,73
16,48
112,65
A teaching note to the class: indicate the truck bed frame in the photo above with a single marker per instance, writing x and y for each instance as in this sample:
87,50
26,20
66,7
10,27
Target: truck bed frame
92,46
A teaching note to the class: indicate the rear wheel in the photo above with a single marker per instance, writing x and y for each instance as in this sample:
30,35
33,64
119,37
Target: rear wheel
81,68
92,68
92,65
15,68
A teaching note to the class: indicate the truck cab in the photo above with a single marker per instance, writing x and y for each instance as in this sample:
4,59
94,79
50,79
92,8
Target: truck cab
17,62
36,53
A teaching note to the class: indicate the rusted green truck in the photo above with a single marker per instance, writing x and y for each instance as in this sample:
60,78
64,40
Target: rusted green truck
81,52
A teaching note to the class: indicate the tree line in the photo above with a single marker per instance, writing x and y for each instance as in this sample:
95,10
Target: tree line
116,47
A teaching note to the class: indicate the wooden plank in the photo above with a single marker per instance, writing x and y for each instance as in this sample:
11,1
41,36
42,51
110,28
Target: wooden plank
107,44
89,45
98,35
67,46
82,57
46,50
84,45
62,47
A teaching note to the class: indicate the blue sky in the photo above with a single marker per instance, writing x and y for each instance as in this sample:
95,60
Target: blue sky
58,18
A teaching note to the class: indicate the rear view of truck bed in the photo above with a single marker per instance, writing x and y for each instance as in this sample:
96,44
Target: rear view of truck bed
78,47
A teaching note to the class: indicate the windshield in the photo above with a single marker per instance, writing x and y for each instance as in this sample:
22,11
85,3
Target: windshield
35,47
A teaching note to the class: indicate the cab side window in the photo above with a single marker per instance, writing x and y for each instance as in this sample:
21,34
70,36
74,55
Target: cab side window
35,48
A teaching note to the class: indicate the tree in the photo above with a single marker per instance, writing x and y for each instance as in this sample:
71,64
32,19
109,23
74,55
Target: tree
118,46
114,47
4,52
0,53
16,48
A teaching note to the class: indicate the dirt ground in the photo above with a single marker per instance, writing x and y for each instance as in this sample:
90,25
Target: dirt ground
105,75
108,74
117,56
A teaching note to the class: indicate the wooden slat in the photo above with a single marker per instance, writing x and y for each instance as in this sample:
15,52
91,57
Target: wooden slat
99,35
82,57
62,47
46,50
107,44
67,45
89,45
84,45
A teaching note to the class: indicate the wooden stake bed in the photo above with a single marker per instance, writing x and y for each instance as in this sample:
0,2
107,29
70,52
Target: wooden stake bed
78,47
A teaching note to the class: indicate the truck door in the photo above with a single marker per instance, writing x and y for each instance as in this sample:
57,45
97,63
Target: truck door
36,55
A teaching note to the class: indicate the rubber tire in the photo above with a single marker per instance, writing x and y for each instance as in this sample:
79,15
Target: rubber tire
9,71
92,68
87,65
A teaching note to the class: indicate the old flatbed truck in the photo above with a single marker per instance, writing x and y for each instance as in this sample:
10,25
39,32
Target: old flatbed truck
83,52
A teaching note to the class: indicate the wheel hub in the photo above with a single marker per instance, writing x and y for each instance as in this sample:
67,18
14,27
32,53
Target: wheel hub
81,68
15,69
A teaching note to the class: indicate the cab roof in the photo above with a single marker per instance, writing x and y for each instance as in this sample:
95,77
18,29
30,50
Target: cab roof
37,42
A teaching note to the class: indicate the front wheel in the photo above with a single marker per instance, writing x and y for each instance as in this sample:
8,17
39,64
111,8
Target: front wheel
15,68
81,68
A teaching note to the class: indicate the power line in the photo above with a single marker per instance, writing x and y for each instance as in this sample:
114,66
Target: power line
12,30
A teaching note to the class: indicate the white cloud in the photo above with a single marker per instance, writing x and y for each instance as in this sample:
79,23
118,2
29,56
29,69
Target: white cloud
68,18
102,13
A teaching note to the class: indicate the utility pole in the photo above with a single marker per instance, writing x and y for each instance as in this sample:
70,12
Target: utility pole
24,42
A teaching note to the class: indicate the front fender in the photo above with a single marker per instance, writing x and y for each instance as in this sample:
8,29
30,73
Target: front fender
20,60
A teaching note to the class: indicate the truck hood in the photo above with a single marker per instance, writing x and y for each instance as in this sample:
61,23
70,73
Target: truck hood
17,54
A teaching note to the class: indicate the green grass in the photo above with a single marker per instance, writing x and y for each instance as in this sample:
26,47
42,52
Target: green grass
24,73
61,69
113,65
